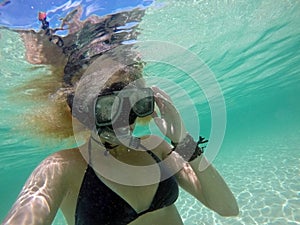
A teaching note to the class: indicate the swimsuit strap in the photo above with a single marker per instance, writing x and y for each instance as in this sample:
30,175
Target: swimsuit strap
90,151
155,157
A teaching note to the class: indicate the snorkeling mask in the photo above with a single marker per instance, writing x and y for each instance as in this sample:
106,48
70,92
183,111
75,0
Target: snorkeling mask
116,110
121,108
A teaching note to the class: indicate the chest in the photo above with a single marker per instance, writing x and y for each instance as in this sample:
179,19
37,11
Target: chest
138,197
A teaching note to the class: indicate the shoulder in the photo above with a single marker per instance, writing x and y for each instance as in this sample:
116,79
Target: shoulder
69,159
63,164
68,156
49,183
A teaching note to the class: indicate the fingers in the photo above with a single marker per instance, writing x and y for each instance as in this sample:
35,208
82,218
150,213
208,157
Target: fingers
157,91
162,125
162,100
169,121
166,107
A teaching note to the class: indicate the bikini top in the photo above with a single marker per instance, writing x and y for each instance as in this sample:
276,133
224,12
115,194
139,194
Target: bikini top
98,204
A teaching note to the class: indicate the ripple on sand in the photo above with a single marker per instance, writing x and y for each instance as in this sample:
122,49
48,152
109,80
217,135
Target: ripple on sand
266,185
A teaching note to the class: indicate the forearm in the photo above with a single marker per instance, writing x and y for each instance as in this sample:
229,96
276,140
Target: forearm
34,211
41,195
214,190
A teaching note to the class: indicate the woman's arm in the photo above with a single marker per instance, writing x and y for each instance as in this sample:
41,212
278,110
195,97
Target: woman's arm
205,184
41,195
208,187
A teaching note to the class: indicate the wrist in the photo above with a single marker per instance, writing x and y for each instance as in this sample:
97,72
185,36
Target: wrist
188,148
181,139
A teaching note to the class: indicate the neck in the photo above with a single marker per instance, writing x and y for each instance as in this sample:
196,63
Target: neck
109,148
104,143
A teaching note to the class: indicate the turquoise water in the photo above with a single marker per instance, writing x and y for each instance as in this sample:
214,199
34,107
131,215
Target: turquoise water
253,51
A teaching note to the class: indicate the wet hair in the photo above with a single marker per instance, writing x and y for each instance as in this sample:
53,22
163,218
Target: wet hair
97,39
118,86
104,75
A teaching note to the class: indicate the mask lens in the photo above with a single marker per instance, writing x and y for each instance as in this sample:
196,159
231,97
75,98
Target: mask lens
117,107
106,109
143,102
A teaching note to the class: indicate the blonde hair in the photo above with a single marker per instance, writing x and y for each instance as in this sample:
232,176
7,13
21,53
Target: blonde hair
79,71
49,114
52,116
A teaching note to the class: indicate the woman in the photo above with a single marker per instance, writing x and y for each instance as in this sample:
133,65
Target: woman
91,184
66,180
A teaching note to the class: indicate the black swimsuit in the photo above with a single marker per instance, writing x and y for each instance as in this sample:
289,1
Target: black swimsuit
97,204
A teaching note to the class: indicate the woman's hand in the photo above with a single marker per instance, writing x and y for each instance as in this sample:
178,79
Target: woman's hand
169,122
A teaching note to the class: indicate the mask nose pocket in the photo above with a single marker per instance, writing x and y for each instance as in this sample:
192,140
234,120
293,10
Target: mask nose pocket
126,116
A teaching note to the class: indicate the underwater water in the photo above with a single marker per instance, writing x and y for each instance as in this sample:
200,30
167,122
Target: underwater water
252,50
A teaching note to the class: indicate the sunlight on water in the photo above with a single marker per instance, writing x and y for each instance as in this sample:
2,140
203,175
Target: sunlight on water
249,46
